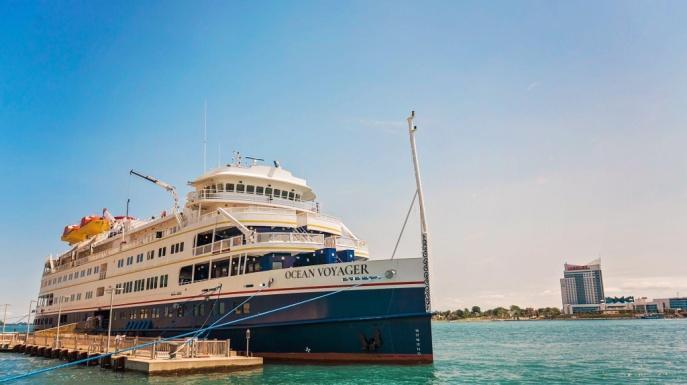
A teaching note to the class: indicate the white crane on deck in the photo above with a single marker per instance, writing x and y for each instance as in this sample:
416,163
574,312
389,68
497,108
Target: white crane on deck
171,189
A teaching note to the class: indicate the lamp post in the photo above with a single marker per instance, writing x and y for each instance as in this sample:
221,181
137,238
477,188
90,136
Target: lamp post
4,319
247,342
109,320
28,320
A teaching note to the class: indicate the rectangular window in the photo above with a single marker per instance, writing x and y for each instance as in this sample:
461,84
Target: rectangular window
129,260
148,283
298,197
139,258
220,187
235,266
70,276
291,195
240,188
83,273
220,308
90,270
154,282
181,247
284,194
246,308
186,275
163,280
220,268
250,189
259,190
268,191
229,187
201,272
78,296
96,269
277,192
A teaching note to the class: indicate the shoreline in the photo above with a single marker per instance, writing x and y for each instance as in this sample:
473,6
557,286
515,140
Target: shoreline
470,320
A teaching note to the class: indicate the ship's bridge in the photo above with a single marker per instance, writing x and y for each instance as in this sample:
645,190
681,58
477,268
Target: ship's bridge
254,184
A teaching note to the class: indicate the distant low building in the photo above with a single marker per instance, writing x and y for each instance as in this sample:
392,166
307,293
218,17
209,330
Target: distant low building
674,303
644,305
582,289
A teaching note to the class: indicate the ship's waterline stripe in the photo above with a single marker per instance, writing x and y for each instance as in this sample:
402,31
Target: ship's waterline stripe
236,293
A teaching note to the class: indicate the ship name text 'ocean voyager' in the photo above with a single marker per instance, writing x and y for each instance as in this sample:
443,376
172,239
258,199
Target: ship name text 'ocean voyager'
247,233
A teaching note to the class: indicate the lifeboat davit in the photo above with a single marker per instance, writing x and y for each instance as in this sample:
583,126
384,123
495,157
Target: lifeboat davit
73,234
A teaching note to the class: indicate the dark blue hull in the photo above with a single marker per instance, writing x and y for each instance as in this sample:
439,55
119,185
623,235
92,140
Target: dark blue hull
388,325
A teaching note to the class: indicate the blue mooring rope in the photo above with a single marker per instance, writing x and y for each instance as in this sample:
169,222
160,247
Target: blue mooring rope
213,326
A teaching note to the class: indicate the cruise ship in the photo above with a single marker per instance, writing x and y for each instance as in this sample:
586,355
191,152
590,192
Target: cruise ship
251,247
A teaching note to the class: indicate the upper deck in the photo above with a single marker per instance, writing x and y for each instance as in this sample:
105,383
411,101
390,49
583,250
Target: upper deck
268,200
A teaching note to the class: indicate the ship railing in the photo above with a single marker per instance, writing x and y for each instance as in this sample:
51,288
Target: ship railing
290,238
238,241
348,243
11,338
154,347
252,198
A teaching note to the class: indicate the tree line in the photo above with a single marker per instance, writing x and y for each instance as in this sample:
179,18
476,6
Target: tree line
514,312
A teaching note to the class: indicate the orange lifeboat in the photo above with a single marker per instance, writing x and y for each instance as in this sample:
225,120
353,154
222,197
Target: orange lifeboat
90,226
73,234
93,225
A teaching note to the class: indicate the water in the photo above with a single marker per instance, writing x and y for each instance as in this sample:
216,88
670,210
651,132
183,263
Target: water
12,328
528,352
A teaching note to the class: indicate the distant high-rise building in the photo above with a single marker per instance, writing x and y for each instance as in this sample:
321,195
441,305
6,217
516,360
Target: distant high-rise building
582,285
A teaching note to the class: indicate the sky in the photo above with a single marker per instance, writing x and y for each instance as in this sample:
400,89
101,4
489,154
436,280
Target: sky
549,132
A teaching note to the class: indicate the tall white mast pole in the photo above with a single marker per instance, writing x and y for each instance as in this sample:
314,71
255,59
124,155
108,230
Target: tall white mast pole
4,319
423,220
205,136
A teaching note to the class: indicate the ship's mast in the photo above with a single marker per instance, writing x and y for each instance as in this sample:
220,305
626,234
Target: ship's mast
423,220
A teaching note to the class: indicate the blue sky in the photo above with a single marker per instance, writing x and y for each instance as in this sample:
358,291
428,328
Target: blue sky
549,132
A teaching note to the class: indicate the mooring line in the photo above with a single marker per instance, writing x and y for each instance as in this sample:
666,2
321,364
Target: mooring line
213,326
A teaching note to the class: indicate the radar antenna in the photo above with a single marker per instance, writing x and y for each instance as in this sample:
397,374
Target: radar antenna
255,160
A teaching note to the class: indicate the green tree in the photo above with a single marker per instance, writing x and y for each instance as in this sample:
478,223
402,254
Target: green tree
476,310
515,311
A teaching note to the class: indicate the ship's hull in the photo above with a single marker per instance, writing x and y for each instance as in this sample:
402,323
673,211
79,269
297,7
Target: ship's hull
306,314
382,325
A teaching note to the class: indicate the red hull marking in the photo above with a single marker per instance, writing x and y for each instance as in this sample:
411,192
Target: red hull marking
350,357
244,292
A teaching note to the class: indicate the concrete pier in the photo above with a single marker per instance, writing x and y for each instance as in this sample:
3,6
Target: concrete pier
191,365
147,355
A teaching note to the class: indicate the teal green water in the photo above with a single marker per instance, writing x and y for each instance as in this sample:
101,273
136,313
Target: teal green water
527,352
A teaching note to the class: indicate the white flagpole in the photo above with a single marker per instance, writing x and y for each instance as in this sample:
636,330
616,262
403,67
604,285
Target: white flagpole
423,220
